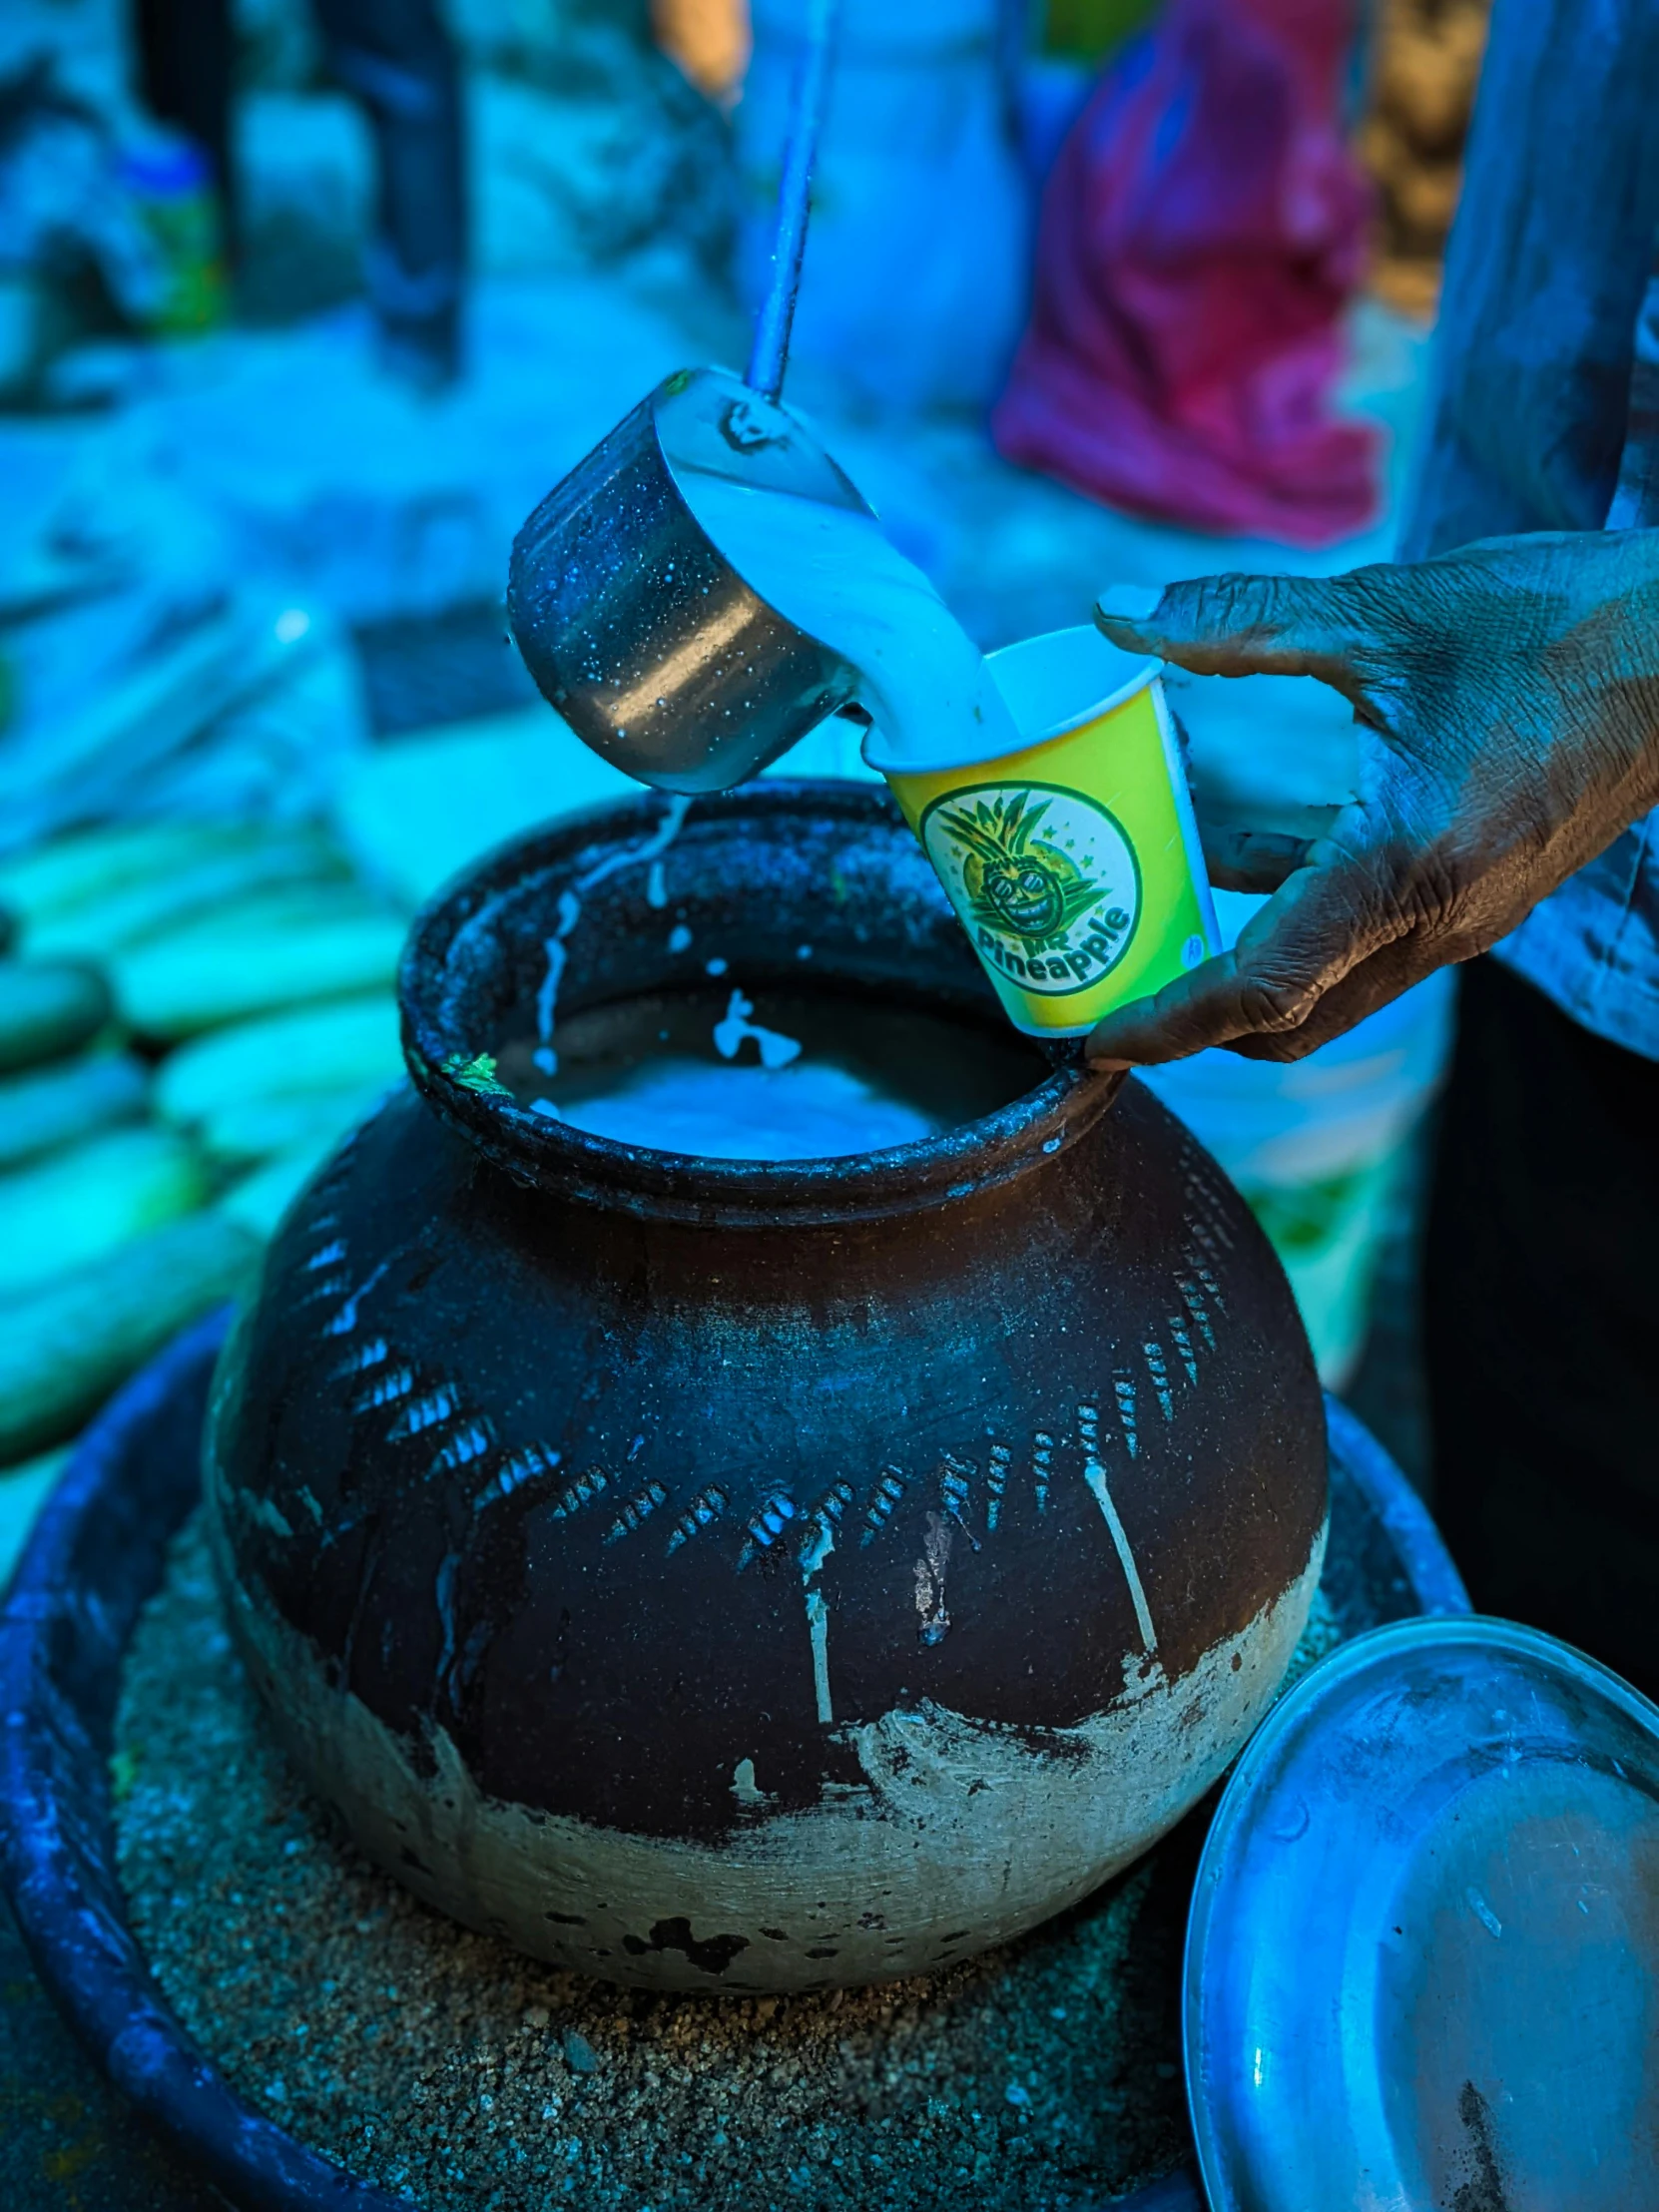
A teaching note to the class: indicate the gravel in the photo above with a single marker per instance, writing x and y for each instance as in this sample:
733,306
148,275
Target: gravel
456,2074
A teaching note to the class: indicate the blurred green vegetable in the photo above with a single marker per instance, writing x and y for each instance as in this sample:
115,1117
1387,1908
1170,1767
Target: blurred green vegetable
67,1344
48,1009
53,878
133,911
71,1207
197,979
44,1109
260,1128
349,1045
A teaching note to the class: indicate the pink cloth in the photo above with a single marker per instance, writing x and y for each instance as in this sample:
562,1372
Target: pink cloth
1201,231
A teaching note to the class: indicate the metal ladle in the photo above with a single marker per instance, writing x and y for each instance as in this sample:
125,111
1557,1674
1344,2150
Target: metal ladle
634,625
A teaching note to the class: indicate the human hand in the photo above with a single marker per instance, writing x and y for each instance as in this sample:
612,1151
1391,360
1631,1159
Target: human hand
1508,702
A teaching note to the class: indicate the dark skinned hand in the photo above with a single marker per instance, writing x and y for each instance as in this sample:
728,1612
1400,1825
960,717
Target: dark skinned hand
1508,701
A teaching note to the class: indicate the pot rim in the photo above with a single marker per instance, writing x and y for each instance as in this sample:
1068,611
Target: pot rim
953,1164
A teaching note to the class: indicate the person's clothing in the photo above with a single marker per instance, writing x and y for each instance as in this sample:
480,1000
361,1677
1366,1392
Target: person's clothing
1542,1319
1548,263
185,56
396,58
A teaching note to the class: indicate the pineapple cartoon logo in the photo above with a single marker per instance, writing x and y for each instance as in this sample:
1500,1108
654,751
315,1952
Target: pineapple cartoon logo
1043,878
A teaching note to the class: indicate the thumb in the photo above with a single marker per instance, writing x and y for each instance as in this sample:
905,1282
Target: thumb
1237,626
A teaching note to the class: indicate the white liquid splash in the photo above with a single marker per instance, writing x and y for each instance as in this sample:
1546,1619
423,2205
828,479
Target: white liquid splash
776,1050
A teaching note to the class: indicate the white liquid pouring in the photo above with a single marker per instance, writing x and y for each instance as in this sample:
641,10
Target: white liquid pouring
835,574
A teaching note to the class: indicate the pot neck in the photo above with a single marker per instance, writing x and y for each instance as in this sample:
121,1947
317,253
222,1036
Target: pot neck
951,1167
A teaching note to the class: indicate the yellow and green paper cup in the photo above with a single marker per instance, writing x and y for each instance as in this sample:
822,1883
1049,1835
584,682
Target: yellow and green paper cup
1073,863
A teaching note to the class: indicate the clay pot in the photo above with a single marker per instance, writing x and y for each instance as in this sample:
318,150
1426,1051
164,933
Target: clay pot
744,1577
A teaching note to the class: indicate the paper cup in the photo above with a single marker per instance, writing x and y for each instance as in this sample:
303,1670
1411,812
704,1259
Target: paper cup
1073,863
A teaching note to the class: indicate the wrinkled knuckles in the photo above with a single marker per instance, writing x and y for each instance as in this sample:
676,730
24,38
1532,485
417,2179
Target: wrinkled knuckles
1377,603
1231,608
1435,898
1280,1047
1268,1008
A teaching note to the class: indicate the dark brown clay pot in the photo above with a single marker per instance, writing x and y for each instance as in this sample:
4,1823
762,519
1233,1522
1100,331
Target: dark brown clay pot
745,1577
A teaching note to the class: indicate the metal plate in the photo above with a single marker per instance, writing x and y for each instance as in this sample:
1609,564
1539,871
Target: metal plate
1422,1965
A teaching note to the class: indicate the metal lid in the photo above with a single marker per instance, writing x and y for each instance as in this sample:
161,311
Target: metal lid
1422,1963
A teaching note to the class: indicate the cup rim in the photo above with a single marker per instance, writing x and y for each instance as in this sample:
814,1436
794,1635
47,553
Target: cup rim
954,1164
1141,671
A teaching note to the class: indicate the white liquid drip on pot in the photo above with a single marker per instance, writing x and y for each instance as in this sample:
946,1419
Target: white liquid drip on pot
570,914
835,574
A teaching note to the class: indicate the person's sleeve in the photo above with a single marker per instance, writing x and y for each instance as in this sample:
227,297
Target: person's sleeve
1545,279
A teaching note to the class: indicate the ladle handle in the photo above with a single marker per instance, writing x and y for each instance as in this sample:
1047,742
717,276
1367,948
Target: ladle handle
771,351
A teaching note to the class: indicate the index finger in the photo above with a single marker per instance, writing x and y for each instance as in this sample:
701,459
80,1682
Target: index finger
1238,625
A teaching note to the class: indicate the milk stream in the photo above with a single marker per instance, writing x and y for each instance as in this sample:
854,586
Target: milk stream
835,574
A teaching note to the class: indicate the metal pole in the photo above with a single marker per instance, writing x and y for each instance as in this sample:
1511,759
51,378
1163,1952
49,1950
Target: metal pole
771,351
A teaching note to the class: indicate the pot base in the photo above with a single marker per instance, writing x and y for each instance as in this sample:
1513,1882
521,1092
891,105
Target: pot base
898,1874
282,1958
